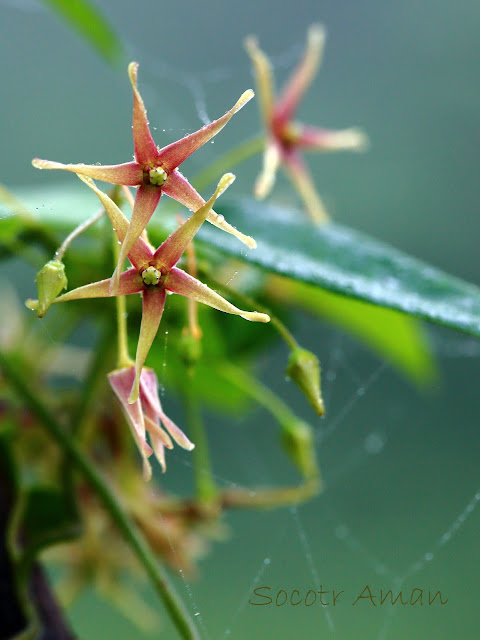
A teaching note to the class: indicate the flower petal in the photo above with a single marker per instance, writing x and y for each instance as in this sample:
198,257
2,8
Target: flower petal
352,139
145,148
302,181
170,252
153,305
266,180
176,433
146,201
149,391
180,282
140,253
263,73
174,154
302,76
153,408
156,431
130,282
159,450
129,174
179,188
121,382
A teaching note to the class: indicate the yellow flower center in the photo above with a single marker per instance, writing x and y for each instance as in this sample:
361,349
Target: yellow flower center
150,275
157,176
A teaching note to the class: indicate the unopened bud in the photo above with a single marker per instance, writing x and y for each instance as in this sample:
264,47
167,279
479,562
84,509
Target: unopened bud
299,443
304,369
50,281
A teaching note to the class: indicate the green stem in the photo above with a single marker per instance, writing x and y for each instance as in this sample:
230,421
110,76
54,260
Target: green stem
228,161
123,357
259,392
131,534
270,498
100,362
76,232
205,486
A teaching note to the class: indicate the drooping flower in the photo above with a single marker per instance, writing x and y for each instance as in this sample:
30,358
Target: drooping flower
285,138
155,171
154,273
145,414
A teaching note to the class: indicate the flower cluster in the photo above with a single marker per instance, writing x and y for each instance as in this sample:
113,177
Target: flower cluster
153,273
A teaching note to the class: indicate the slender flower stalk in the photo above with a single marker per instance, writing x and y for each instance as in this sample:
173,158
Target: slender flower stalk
155,171
285,139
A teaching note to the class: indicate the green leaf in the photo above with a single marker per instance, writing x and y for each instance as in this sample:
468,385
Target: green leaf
347,262
332,257
48,516
87,20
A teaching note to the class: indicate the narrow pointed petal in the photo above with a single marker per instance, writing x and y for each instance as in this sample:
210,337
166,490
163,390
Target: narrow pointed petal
266,180
129,174
302,76
140,253
153,305
316,139
145,148
149,391
264,78
303,183
176,433
159,450
153,409
179,188
174,154
156,431
146,202
121,382
130,282
180,282
170,252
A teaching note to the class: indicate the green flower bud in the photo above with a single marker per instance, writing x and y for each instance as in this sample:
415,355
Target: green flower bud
304,369
50,282
299,443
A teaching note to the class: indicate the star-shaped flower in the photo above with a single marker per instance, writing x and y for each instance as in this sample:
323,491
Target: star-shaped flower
154,273
155,171
285,139
144,415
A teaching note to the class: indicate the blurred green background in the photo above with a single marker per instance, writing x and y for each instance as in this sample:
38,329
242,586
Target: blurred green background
400,465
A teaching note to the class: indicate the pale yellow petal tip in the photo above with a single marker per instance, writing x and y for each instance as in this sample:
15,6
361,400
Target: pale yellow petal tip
317,34
147,470
191,447
38,163
353,139
255,316
251,45
31,304
247,240
225,181
244,98
132,72
264,185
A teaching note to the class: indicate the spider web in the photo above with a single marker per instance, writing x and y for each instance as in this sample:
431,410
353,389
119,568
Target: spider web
330,543
398,508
